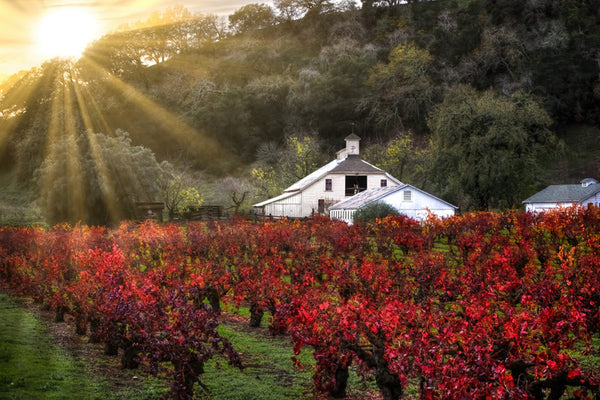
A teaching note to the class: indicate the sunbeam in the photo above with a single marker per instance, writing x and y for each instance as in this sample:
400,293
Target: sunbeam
107,186
62,148
185,135
59,118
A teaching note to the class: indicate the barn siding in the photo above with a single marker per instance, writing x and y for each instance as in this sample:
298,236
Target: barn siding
288,207
419,205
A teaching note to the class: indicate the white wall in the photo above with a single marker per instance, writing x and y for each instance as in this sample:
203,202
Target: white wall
594,200
420,204
539,207
288,207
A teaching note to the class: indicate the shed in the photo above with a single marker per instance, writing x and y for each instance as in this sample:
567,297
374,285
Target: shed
406,199
555,196
150,210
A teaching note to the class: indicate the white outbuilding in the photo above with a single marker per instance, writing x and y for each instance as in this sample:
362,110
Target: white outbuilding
555,196
405,198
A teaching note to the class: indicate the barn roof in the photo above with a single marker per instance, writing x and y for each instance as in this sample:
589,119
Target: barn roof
352,164
313,177
274,199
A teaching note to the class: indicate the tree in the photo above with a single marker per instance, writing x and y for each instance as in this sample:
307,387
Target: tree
487,148
288,10
96,179
239,191
33,114
129,50
119,53
165,34
251,17
179,190
402,90
399,156
293,9
327,97
280,166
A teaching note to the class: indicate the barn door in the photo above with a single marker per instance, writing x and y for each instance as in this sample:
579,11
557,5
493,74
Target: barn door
321,208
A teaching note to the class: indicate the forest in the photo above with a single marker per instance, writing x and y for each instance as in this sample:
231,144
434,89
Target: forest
480,102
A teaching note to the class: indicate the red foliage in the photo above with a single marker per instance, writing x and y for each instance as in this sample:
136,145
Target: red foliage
481,306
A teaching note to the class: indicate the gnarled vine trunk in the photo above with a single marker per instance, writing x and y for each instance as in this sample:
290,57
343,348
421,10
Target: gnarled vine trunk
256,314
341,382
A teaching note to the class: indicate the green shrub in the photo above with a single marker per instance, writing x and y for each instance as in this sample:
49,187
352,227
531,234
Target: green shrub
372,211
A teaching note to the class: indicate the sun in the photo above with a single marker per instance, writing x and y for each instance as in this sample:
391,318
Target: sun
65,32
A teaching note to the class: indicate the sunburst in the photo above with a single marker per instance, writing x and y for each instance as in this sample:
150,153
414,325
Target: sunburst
65,32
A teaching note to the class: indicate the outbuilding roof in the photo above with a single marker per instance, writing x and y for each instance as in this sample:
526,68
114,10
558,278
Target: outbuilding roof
564,194
371,195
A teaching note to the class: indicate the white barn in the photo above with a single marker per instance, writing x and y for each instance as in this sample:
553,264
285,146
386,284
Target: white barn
406,199
556,196
338,180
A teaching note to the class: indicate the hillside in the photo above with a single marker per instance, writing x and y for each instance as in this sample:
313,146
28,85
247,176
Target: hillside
214,101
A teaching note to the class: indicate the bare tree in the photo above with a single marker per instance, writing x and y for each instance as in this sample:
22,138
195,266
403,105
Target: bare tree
239,191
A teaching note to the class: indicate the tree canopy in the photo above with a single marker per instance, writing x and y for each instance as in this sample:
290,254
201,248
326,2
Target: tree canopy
96,179
486,147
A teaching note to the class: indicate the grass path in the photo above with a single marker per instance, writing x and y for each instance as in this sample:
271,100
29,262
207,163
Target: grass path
268,372
41,359
32,366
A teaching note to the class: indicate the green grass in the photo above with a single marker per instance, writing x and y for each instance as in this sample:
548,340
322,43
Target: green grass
268,374
32,367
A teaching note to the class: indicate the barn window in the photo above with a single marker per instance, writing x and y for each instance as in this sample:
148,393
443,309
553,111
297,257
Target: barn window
328,185
407,195
383,183
355,184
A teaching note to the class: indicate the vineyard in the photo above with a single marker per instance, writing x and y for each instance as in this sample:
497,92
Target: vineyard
480,306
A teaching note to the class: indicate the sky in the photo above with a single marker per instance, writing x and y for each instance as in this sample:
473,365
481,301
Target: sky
19,19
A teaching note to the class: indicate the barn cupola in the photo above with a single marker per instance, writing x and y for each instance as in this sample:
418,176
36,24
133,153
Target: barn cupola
352,144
